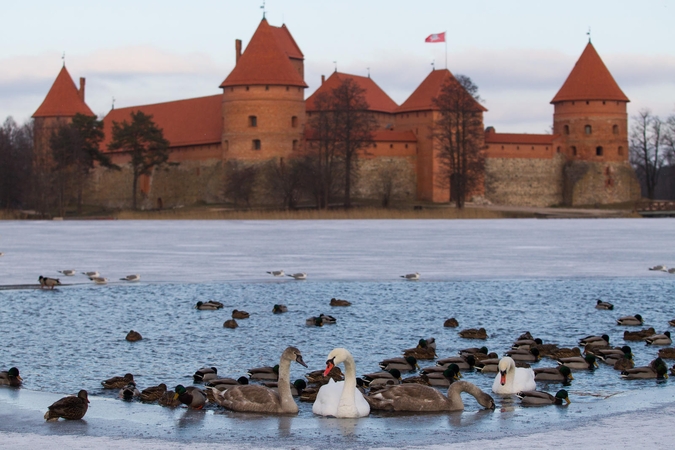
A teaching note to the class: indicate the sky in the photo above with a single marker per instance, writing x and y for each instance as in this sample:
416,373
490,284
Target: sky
519,53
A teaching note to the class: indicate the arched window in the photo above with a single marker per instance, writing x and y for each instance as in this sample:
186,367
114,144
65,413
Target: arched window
252,121
615,129
588,129
566,129
598,150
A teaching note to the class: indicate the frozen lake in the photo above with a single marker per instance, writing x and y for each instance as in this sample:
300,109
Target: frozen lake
508,276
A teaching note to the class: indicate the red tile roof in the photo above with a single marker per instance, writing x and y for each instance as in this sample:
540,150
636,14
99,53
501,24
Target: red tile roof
195,121
518,138
376,98
590,80
266,60
286,42
63,99
422,98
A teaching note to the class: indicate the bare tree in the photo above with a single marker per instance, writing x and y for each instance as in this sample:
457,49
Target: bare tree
240,182
387,180
144,141
283,181
16,150
459,138
648,149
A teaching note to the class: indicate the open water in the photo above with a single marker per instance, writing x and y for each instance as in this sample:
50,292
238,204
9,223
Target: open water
508,276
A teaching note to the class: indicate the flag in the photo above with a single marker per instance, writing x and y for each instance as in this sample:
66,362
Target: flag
436,37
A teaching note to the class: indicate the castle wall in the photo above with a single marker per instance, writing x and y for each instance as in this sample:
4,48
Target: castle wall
589,183
420,123
525,181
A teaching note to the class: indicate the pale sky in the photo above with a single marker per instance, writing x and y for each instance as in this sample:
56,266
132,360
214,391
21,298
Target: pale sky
517,52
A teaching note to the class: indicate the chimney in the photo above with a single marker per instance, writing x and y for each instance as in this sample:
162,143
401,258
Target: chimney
81,91
237,46
323,78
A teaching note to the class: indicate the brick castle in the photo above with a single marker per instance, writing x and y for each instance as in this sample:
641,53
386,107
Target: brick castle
262,113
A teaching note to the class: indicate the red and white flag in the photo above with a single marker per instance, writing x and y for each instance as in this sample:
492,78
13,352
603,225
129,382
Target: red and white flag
436,37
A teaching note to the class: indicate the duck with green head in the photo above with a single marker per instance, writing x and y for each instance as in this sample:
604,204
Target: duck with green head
540,398
10,377
191,396
561,374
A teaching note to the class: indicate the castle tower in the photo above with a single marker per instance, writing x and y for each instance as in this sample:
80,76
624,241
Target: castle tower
591,124
62,102
418,114
263,98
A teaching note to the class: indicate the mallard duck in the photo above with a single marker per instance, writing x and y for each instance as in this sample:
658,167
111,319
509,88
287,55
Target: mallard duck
474,351
638,335
325,318
531,355
442,376
473,333
222,384
525,335
667,353
656,369
426,349
208,306
230,323
277,273
411,276
463,362
278,309
546,349
561,374
169,399
296,387
490,365
131,278
392,376
659,339
604,305
10,377
48,282
264,373
299,276
133,336
407,364
129,392
565,353
526,344
205,374
540,398
671,323
587,362
338,302
611,355
118,382
314,322
236,314
91,274
451,323
317,376
191,396
71,407
630,320
623,363
67,272
594,341
153,393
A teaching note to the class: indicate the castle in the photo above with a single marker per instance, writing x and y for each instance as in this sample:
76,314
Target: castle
262,114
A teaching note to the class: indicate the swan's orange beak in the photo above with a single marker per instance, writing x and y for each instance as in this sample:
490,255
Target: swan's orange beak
503,380
329,367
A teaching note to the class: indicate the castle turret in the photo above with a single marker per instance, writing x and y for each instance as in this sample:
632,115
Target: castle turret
591,124
263,98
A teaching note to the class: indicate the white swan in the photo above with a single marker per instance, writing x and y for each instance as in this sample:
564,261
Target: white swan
512,379
341,399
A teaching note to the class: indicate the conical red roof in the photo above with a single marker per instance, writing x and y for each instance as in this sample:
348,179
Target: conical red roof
266,60
376,98
590,80
422,99
63,99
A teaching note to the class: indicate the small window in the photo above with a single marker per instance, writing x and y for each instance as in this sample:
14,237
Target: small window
557,150
598,150
502,147
587,102
620,151
252,121
588,129
287,88
566,129
615,129
533,147
517,147
267,88
391,145
574,151
247,88
294,121
226,145
295,144
256,144
406,145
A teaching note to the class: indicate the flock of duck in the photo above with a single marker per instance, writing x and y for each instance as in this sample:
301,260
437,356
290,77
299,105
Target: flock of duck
341,394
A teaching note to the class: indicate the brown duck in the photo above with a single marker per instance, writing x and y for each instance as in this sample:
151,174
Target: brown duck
71,408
